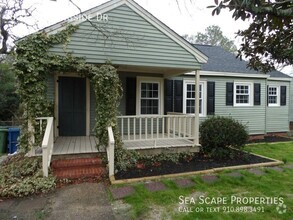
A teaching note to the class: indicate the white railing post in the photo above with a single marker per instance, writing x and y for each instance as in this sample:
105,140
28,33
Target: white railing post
47,144
154,128
110,152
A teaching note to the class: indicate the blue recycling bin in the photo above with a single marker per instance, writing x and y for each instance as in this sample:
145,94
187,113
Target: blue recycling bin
13,134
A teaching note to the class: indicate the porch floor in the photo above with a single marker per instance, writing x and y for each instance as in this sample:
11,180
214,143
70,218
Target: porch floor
87,144
75,145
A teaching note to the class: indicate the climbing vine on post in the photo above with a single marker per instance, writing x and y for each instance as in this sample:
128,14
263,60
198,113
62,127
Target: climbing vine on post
108,92
33,64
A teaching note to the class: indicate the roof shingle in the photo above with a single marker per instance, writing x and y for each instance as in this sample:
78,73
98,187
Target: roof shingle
224,61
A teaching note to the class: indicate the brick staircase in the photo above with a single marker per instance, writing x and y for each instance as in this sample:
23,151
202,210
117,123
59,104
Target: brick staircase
79,168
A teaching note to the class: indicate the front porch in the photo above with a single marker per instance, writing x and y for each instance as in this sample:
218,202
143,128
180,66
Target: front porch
75,145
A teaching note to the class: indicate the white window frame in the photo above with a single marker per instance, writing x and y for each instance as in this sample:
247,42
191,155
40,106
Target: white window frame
204,96
278,96
250,93
139,81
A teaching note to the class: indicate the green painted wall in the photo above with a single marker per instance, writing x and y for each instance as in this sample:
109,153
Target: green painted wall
278,117
131,41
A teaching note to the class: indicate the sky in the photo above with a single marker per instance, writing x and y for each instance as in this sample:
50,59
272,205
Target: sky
184,17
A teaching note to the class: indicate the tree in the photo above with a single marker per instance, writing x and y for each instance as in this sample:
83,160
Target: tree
268,41
213,35
8,97
12,14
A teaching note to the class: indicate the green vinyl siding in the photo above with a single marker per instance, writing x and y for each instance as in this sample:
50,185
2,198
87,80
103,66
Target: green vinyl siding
278,116
129,40
251,116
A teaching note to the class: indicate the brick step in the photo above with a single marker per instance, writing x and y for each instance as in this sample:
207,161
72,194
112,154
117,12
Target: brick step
76,162
77,172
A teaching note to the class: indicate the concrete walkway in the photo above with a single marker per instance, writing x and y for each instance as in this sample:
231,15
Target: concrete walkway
83,201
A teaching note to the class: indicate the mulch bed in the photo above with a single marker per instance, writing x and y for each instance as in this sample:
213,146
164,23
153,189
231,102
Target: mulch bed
198,163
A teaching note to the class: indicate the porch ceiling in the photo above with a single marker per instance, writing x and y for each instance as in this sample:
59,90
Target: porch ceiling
165,71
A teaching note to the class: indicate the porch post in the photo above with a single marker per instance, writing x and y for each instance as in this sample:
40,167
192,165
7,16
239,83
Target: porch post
196,109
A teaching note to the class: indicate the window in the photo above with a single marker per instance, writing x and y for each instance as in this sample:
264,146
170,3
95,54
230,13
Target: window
242,94
189,98
149,102
149,96
273,96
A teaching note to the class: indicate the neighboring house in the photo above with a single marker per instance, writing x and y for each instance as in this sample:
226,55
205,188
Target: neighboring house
158,72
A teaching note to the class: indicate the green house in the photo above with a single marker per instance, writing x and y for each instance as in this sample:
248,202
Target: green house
169,85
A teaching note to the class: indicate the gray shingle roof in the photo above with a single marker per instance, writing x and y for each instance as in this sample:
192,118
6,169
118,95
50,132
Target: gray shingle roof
224,61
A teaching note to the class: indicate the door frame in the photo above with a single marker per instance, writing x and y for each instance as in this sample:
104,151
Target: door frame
56,104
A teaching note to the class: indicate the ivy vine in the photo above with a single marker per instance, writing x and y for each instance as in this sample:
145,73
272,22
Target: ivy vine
34,63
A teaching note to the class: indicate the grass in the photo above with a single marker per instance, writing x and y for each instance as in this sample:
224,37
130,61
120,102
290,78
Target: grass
272,184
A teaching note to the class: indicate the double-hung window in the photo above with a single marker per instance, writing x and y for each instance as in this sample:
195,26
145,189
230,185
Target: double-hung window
189,98
242,94
149,97
273,96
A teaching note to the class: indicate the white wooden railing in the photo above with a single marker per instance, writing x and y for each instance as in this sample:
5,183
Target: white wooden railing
110,152
47,143
154,127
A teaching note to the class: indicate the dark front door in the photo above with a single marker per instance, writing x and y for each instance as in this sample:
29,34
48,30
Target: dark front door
72,106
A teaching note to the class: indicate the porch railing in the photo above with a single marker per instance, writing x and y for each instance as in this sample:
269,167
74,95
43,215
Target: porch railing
47,143
154,127
110,151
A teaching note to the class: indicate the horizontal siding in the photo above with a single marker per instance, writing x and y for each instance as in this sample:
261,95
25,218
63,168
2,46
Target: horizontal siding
278,117
132,41
251,116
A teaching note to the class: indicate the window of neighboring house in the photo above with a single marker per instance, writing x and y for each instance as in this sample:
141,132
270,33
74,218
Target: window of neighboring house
149,97
189,98
273,96
242,94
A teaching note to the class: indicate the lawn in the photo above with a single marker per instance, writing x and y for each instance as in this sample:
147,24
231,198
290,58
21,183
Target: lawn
273,184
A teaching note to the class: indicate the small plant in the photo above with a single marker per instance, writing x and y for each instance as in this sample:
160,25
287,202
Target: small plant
219,135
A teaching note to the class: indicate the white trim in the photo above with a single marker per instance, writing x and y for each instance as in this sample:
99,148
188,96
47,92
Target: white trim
250,94
204,96
158,80
278,96
280,79
56,106
200,57
241,75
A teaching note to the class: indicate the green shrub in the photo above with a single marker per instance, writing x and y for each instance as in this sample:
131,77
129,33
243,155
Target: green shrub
218,135
22,176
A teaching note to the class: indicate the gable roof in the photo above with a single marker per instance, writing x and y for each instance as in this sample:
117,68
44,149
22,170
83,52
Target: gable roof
103,8
221,60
